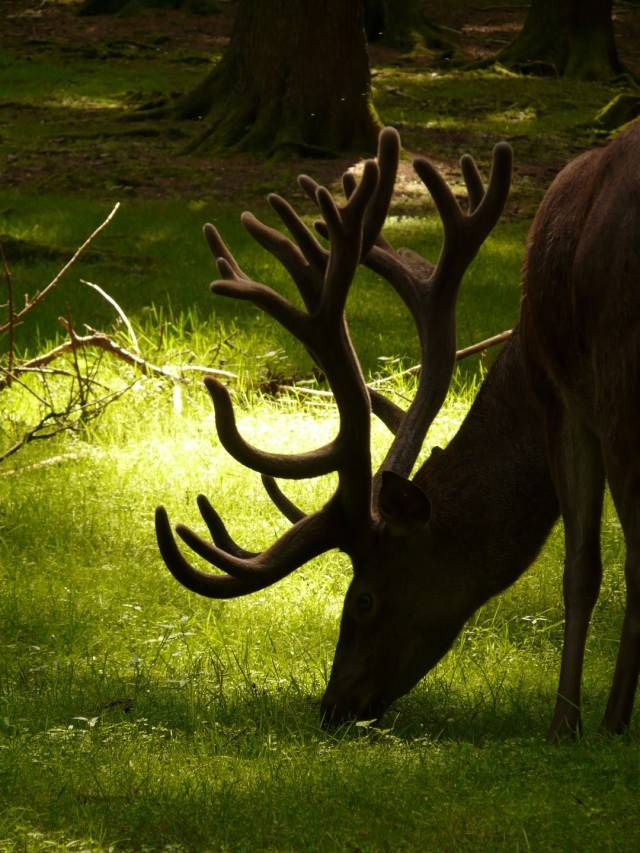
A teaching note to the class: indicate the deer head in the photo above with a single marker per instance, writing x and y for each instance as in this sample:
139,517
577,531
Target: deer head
394,626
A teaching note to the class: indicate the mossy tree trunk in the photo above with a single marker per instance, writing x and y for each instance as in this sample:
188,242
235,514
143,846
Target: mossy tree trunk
293,78
572,38
403,24
592,53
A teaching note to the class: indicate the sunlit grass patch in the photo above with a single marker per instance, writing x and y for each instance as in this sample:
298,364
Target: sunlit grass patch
152,713
46,82
154,262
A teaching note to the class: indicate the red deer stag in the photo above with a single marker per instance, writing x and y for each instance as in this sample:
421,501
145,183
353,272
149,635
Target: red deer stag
557,413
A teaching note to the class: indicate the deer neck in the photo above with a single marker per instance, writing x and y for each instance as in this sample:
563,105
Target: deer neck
493,502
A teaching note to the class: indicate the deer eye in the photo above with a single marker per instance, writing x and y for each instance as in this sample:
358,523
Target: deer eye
364,602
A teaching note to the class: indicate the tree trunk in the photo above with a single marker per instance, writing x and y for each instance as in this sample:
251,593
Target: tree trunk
592,51
572,38
403,24
293,79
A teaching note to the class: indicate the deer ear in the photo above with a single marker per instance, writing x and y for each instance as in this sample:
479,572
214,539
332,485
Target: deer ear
402,504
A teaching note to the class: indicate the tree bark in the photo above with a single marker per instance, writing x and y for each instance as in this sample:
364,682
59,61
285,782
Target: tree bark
592,53
294,78
572,38
403,24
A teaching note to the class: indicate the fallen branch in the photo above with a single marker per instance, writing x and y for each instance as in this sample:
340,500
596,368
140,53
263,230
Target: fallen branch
65,420
58,459
101,341
70,405
480,346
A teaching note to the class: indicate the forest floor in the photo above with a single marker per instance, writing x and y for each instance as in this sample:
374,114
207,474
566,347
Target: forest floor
81,135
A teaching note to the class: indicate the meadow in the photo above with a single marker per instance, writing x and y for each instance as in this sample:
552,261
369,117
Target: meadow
135,715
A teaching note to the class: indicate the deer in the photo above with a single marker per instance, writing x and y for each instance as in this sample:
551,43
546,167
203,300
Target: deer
555,417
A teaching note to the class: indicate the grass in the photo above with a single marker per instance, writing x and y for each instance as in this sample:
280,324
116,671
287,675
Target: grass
154,262
134,714
137,716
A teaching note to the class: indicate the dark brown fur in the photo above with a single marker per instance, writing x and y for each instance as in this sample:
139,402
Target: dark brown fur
561,407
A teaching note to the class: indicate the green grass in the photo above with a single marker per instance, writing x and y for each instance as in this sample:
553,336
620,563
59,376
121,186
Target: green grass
154,262
492,101
134,714
137,716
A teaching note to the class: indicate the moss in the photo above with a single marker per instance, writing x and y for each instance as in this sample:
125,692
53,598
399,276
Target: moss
620,110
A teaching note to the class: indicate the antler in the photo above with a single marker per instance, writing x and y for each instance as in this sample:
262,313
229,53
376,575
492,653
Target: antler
430,291
323,279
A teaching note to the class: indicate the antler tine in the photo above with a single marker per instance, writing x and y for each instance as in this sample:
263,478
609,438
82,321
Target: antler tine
473,181
388,159
314,253
219,249
295,466
464,234
311,536
264,297
203,583
218,530
282,502
345,228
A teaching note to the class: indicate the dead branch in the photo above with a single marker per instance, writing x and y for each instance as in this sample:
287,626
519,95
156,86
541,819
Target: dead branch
102,341
30,304
108,298
65,420
480,346
10,313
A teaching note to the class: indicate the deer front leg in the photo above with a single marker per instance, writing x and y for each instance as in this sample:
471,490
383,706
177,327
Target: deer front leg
578,474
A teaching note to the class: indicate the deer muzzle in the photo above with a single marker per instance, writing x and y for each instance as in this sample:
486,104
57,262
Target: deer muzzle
340,706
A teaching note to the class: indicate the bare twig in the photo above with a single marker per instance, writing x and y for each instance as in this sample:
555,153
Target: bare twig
51,371
63,421
108,298
74,352
31,435
480,346
40,295
10,313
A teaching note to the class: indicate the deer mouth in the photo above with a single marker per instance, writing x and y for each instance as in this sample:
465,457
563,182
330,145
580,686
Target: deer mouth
339,711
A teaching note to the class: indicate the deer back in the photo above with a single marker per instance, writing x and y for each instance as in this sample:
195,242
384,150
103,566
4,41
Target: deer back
580,316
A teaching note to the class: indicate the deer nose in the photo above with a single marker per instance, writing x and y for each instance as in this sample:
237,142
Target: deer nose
334,713
336,710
